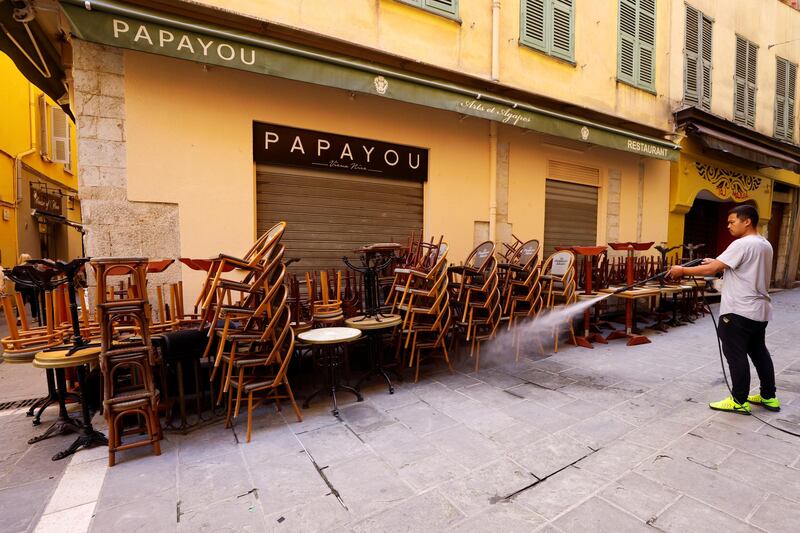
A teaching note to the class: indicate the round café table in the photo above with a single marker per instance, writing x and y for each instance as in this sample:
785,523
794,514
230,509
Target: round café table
328,339
372,327
59,360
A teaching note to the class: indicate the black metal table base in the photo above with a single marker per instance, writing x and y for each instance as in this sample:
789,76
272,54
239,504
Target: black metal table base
376,366
88,438
62,426
332,361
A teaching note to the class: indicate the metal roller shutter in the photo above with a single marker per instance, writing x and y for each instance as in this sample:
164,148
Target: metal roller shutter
570,215
329,215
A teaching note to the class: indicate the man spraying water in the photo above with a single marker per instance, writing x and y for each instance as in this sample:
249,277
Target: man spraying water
745,310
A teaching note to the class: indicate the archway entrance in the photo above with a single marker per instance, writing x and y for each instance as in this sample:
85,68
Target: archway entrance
706,223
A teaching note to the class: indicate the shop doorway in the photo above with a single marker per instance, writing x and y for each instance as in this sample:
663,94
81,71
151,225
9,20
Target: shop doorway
329,215
570,215
707,223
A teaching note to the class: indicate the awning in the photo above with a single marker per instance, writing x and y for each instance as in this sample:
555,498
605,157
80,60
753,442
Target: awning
742,148
24,41
57,219
116,24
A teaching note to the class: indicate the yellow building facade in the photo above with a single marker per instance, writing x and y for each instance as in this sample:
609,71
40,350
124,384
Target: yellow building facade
34,133
201,123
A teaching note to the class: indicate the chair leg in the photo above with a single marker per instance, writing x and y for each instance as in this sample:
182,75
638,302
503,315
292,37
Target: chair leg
291,399
229,402
249,416
239,393
155,431
478,357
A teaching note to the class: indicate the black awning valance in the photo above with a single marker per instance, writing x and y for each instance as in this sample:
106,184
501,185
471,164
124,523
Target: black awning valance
743,149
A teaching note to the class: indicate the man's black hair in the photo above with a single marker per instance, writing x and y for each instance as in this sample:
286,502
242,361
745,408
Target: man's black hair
744,212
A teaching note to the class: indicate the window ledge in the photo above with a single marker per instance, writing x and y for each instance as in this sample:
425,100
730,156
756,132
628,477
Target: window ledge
645,89
570,62
443,14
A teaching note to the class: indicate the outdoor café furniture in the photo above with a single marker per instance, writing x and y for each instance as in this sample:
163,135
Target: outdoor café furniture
411,282
471,273
248,266
558,281
59,360
374,327
523,302
374,258
523,259
126,360
632,295
331,340
589,254
262,368
177,350
325,298
479,305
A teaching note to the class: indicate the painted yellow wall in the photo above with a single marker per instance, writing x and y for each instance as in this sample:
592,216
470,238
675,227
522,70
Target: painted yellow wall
466,47
192,145
765,22
18,135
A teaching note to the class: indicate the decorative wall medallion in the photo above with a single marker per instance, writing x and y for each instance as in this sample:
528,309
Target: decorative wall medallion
380,84
729,184
584,133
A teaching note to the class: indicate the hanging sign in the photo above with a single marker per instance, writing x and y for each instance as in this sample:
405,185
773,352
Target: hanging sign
282,145
45,202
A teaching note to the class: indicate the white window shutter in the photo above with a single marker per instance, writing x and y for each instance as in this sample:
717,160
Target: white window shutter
59,138
44,138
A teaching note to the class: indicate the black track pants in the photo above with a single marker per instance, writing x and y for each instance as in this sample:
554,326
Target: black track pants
741,337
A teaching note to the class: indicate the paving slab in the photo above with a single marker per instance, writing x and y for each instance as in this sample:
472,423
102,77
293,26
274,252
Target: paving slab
777,515
688,514
563,490
596,515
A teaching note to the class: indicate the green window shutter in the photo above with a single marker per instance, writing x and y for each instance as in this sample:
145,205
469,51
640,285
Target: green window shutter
780,98
740,81
627,43
752,65
446,6
533,29
705,62
646,54
692,73
791,85
561,35
785,83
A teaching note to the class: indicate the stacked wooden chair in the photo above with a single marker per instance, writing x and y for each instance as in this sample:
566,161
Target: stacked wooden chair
559,284
126,358
325,298
24,341
475,298
522,290
422,299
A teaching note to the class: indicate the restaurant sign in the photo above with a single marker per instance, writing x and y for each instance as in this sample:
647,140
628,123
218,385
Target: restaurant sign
45,202
295,147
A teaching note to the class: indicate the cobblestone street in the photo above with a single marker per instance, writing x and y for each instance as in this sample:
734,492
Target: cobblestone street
610,439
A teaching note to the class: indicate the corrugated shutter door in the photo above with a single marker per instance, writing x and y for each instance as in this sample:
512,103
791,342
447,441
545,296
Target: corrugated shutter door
329,215
570,215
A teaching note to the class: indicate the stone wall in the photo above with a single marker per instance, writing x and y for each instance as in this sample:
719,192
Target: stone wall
114,225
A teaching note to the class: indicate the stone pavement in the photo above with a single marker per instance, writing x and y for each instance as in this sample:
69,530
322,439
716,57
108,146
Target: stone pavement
610,439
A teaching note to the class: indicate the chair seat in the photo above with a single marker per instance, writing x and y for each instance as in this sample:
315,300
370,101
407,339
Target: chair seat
259,383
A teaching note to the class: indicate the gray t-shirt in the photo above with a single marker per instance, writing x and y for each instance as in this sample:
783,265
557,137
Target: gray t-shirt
748,262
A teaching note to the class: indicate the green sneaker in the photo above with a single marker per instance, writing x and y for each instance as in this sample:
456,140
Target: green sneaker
729,404
770,404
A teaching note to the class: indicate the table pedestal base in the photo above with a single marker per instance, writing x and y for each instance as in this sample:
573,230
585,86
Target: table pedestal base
62,426
376,366
633,338
332,361
88,438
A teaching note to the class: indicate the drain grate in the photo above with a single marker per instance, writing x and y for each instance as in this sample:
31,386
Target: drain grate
16,404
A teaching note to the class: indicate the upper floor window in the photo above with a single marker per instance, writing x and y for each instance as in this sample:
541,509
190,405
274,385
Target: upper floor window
448,8
744,95
785,83
636,57
54,134
697,60
549,26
